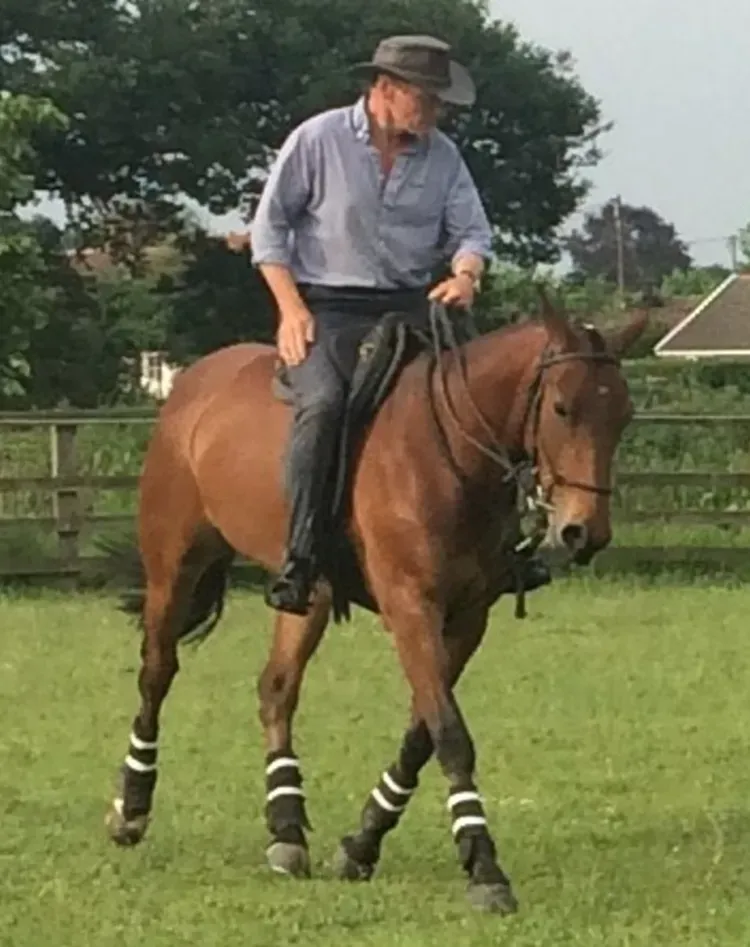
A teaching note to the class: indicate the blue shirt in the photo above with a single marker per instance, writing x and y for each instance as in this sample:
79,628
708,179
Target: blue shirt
328,213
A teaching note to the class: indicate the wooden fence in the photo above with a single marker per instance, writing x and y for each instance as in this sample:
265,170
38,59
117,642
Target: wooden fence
71,517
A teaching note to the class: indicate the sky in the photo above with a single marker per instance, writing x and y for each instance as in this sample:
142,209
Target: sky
675,85
674,77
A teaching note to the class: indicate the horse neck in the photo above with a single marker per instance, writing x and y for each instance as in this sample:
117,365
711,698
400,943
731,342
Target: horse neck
500,368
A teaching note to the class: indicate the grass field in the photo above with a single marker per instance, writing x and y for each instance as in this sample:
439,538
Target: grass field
613,734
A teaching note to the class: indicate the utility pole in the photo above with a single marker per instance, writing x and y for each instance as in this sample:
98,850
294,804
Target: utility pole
732,241
619,244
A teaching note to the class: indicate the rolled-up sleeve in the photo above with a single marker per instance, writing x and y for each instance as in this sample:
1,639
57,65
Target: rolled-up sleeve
284,196
466,224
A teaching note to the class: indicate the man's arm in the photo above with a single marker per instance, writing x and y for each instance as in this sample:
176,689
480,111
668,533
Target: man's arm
469,240
285,195
466,224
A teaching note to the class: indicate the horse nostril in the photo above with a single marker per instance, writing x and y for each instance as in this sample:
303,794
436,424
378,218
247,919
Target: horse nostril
574,536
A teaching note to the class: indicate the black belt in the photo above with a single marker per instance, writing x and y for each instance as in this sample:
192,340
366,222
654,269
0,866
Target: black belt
364,300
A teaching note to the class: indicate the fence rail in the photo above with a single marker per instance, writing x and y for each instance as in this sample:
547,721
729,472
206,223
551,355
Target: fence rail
70,489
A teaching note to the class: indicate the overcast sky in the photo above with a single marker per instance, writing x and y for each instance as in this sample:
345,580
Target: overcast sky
674,77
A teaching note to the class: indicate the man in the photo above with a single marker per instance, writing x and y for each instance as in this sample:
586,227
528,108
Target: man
360,207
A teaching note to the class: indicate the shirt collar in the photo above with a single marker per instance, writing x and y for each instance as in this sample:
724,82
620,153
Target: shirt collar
361,126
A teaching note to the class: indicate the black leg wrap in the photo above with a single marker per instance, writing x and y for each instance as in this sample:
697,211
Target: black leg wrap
139,773
384,807
381,813
476,849
387,801
286,817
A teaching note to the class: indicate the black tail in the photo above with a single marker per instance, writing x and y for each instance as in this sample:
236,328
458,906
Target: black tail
122,564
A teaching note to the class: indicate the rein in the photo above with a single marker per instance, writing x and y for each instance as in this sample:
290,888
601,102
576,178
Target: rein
531,496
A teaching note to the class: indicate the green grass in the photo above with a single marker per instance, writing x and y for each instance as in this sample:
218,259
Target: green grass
613,739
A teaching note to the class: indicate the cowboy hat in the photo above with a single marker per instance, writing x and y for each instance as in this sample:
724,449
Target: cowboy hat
422,61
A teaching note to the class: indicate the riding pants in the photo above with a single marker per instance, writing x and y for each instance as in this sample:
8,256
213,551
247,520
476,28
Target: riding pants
320,387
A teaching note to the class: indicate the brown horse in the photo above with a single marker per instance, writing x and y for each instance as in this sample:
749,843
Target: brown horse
431,504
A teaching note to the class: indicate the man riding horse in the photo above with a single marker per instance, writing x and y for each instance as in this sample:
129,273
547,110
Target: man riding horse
361,206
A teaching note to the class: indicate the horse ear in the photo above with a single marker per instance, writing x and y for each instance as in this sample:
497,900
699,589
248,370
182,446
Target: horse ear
621,340
555,320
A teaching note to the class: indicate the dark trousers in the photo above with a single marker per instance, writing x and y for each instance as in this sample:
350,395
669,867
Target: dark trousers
320,386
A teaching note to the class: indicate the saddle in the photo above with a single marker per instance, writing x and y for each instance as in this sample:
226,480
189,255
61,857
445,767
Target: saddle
384,352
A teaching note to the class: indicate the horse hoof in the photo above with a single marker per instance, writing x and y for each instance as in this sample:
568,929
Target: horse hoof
287,859
125,832
494,899
347,869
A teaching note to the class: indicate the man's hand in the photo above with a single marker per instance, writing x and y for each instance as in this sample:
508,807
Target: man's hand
296,331
454,291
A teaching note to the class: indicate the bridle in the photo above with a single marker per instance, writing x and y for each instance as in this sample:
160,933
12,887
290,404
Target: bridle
534,408
528,465
532,499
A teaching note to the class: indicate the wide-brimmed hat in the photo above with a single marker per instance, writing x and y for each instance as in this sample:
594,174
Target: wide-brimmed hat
425,62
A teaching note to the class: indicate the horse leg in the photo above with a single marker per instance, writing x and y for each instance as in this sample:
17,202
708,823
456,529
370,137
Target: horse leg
416,622
295,640
167,600
359,854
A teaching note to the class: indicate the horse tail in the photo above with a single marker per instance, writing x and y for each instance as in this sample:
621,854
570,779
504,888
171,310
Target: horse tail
122,561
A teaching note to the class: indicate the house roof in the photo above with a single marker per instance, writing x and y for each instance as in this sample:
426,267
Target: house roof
719,326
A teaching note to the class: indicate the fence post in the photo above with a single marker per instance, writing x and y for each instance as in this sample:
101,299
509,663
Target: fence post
65,499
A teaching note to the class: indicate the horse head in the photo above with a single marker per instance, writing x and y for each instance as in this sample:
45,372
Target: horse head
578,410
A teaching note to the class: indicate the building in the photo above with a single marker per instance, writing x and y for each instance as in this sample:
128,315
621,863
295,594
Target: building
718,327
157,374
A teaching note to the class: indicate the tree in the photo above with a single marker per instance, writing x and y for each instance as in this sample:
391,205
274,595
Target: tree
172,97
651,247
89,327
216,299
23,299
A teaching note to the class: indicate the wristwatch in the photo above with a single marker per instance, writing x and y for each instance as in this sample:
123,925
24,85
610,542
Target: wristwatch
475,280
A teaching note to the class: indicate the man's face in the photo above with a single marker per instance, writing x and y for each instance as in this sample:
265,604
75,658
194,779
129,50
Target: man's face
413,111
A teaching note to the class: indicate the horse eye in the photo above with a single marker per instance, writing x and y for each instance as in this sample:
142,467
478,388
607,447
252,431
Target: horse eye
561,409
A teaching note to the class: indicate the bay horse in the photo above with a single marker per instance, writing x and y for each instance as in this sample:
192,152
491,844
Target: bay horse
431,499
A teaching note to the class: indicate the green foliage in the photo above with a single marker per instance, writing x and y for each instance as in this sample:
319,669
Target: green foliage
21,117
79,334
216,299
123,109
696,281
23,297
171,97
